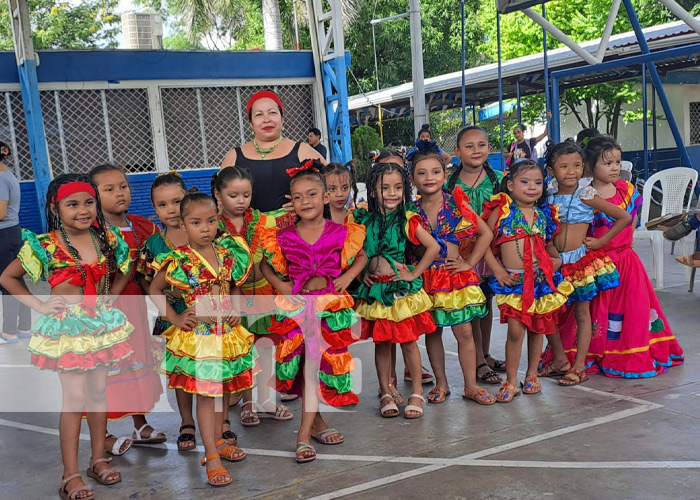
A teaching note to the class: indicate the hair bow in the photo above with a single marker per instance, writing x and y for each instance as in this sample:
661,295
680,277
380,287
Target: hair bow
307,165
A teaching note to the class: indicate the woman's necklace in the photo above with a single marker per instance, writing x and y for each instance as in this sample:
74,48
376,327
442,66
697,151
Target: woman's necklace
263,152
566,222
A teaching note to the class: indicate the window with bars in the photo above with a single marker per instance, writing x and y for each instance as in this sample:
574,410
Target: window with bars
694,119
87,127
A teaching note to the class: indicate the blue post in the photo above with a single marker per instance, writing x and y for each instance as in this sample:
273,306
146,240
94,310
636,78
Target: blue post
500,85
656,79
554,122
464,64
335,90
645,133
29,86
547,98
517,92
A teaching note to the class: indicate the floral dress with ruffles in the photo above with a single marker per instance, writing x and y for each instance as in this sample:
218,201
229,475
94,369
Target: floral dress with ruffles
321,328
85,335
392,311
540,293
214,357
457,297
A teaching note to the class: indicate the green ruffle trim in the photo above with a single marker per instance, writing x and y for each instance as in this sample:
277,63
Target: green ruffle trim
209,369
75,322
385,293
444,317
289,369
258,324
34,257
339,320
341,383
121,251
241,255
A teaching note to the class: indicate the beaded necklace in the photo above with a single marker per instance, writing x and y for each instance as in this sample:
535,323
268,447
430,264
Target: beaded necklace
79,264
263,152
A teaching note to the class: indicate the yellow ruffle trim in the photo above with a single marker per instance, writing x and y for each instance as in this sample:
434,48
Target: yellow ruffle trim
235,342
543,305
353,243
597,268
459,299
58,347
403,308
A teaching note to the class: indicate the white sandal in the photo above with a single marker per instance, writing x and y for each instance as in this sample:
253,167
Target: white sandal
417,409
116,447
155,437
389,407
249,418
278,414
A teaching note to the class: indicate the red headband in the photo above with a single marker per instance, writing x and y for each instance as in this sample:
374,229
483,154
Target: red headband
308,165
71,188
262,95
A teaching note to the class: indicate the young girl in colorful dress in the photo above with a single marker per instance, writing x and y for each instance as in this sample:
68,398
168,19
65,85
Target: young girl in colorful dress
311,264
134,388
232,187
479,182
341,182
632,338
584,265
209,353
79,335
450,280
530,291
391,299
167,192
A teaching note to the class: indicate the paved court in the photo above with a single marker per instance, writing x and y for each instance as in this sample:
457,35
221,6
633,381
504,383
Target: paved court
609,438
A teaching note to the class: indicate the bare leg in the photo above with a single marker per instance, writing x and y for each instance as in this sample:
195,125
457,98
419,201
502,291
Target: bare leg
382,361
184,406
534,351
411,355
584,332
467,355
206,420
514,347
73,386
436,355
96,405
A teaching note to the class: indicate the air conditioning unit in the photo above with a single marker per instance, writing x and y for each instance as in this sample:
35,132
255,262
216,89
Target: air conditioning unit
142,30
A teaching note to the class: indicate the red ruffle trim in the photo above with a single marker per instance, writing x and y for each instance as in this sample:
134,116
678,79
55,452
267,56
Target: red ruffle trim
408,330
545,324
71,361
211,388
327,395
578,268
444,280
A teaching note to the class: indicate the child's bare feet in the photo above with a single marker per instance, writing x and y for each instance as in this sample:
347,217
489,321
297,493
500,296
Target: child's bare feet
554,369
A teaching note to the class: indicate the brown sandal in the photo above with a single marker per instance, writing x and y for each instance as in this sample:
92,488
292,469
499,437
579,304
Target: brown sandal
73,494
531,385
550,371
573,377
506,393
481,396
101,477
214,473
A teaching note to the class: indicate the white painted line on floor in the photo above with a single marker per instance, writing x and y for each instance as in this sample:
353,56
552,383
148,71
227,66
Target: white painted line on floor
585,465
16,366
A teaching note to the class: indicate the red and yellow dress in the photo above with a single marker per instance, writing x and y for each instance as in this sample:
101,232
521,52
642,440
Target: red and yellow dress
213,358
86,335
392,311
540,293
457,297
319,329
136,388
259,304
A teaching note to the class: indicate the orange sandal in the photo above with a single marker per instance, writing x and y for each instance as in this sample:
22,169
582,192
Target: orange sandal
214,473
531,385
230,452
506,393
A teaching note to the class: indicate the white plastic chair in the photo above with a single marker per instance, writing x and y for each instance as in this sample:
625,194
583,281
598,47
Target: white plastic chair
626,170
674,185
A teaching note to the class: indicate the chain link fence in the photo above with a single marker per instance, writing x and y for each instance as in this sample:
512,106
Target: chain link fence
87,127
694,119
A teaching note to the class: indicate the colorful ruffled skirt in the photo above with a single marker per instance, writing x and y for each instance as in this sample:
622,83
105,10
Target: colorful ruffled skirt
209,362
542,314
394,311
80,338
589,271
457,297
257,309
319,331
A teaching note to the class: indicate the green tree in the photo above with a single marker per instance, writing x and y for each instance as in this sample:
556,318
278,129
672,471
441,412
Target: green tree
364,140
89,24
581,20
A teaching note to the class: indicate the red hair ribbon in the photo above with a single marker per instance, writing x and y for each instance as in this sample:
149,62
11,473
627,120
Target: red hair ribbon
262,95
73,187
308,165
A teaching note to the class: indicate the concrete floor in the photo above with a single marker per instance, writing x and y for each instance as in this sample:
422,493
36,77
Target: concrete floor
608,438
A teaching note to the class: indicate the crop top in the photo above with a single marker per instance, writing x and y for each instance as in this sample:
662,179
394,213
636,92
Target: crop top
572,210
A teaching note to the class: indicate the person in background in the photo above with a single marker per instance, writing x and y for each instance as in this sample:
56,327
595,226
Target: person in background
315,142
16,317
426,144
521,148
